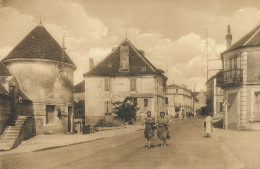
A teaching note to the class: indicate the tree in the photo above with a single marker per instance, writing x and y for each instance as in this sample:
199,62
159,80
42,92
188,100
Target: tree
208,109
126,111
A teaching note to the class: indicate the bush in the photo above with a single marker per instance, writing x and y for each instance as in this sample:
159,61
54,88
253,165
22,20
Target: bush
105,123
126,111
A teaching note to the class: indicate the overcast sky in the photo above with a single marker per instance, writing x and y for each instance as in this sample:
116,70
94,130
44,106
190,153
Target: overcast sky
171,32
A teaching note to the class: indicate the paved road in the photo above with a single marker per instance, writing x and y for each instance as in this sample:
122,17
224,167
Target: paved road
188,149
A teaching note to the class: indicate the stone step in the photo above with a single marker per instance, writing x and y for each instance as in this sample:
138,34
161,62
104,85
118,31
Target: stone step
13,127
6,141
10,134
11,131
9,137
22,117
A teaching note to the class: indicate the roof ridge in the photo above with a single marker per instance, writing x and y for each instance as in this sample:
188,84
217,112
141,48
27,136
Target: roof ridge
252,36
135,51
143,57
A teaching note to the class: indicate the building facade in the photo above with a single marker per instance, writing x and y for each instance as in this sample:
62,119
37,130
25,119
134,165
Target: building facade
180,100
125,72
241,81
215,94
46,75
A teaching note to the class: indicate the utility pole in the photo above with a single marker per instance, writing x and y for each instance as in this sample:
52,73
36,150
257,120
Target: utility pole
207,51
194,98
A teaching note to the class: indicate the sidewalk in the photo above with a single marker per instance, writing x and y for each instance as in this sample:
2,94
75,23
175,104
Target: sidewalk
43,141
244,145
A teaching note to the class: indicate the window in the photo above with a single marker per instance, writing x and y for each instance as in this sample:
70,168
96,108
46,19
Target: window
256,112
132,84
124,58
108,108
144,68
176,90
220,106
110,64
107,84
145,102
166,100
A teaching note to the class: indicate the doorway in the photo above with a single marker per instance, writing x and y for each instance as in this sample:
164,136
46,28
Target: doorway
70,119
50,114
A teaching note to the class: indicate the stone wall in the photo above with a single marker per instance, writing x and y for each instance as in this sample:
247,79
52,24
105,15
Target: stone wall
5,113
46,84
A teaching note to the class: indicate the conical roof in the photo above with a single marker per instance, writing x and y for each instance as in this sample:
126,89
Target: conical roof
250,39
39,44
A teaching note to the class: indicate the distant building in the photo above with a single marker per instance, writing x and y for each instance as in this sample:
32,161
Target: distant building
79,106
180,99
215,94
124,72
241,81
46,75
201,96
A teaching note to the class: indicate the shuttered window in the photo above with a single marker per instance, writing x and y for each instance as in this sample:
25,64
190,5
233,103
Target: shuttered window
107,84
132,84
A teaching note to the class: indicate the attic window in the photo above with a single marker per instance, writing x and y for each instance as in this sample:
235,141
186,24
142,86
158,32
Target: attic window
110,64
124,58
144,68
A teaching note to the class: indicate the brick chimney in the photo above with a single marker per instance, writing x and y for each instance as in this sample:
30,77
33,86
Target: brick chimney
228,37
91,63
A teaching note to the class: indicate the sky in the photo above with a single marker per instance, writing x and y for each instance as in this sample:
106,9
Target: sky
171,32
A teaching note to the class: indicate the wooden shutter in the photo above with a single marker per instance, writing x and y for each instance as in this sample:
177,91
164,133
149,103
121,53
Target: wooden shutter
132,84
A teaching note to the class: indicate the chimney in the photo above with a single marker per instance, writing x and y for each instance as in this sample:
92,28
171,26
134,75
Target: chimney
142,52
91,63
228,37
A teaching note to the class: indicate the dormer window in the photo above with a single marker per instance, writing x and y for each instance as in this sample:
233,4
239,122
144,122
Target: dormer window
124,58
144,68
110,64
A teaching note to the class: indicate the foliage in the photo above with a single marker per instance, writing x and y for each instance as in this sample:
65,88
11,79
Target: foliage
105,123
208,109
126,111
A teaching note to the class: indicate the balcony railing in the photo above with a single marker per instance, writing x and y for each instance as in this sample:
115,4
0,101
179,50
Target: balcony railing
231,77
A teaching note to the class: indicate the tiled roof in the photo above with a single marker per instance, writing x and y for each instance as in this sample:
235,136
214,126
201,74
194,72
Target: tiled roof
3,70
197,93
175,86
250,39
80,87
3,91
41,45
136,62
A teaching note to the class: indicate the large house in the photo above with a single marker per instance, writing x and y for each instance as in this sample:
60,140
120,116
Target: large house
241,81
215,94
46,75
180,100
125,72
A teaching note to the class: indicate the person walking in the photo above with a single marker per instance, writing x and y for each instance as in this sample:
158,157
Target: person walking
208,125
149,128
162,130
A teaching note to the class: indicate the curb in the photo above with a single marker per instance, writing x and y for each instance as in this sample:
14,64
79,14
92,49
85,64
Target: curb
70,144
87,141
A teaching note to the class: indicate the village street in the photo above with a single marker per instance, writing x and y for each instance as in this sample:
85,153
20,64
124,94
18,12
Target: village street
188,148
